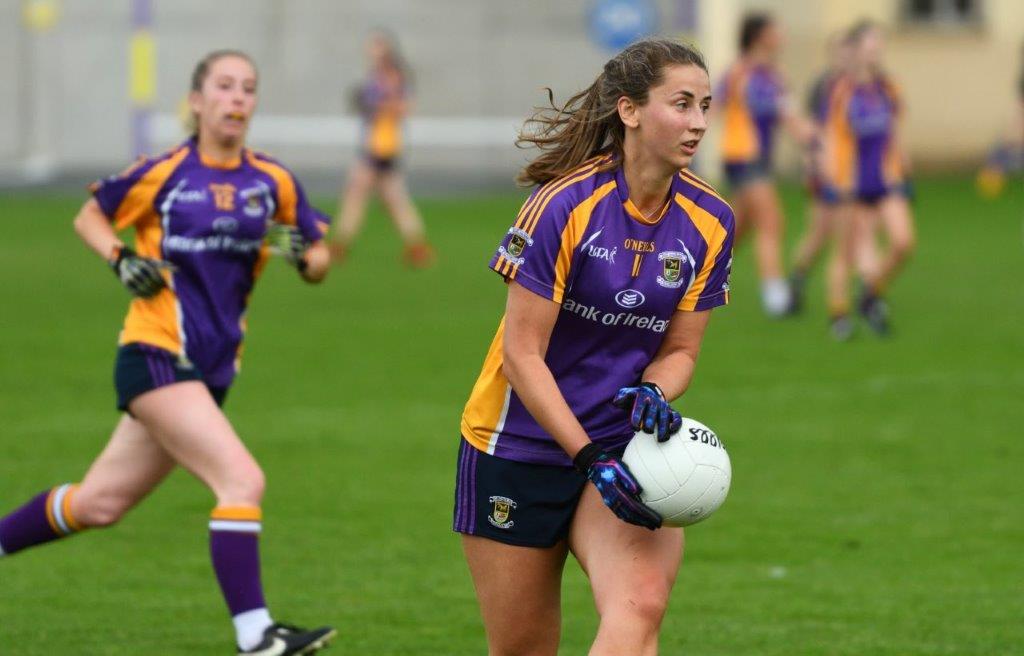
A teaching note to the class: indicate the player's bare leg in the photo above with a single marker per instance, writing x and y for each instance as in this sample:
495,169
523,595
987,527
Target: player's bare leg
352,209
864,227
406,218
765,211
517,582
188,424
840,268
871,265
898,223
741,211
631,570
812,244
191,427
131,466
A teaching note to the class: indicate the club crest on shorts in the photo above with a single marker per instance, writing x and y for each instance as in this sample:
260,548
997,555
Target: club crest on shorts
517,242
502,508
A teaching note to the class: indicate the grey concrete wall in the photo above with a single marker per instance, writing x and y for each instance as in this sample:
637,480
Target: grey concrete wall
470,58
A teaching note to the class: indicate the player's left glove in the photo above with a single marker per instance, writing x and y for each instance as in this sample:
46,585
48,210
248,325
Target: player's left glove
618,489
649,410
289,243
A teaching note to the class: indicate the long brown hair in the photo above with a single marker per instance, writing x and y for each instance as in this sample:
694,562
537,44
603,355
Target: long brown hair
201,72
588,124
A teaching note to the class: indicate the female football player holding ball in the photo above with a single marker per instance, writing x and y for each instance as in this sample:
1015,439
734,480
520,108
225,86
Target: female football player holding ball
613,266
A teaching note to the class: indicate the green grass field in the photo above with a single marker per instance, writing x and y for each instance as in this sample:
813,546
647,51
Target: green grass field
877,506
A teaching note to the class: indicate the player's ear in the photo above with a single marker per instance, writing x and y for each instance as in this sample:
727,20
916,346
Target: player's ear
629,112
195,101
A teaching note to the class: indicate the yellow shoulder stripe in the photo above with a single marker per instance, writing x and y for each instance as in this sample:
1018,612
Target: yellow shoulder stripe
714,234
580,174
688,176
573,233
139,200
287,197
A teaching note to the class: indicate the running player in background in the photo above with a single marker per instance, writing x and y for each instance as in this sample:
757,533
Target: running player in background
383,102
200,213
754,101
865,166
1007,157
613,266
821,216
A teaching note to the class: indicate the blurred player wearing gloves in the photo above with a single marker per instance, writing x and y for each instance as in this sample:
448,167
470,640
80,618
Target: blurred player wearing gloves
200,213
613,265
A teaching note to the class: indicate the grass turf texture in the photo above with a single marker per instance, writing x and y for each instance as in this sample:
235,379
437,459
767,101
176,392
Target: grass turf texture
876,505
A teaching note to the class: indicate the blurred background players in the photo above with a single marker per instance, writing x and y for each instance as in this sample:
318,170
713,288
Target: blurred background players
201,213
865,168
1007,156
754,101
383,101
575,346
821,216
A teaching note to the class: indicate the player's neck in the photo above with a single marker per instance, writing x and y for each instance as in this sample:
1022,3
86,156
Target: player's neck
758,58
222,152
863,74
649,183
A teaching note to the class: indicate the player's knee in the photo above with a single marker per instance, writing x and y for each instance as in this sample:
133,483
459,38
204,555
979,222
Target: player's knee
245,486
644,606
904,246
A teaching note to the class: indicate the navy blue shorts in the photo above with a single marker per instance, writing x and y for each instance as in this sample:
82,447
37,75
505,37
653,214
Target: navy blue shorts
381,164
832,196
516,503
140,368
740,174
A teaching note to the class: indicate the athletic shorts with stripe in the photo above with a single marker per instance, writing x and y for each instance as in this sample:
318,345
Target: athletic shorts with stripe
516,503
140,368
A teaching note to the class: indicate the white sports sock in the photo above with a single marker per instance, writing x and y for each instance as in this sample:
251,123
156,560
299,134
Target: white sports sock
775,296
250,626
1,551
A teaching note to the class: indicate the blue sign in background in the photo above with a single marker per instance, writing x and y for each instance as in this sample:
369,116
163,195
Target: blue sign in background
614,24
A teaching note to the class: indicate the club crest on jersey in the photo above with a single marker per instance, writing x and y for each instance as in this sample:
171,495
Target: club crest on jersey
672,267
502,508
253,207
518,241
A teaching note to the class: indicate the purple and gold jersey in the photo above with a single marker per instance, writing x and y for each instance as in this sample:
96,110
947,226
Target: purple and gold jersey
860,157
208,219
619,278
382,129
752,97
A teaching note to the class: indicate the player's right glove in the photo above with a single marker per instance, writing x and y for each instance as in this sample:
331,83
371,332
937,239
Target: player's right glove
618,489
140,275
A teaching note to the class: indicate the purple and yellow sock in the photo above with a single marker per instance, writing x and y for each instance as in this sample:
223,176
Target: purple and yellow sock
235,551
45,518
